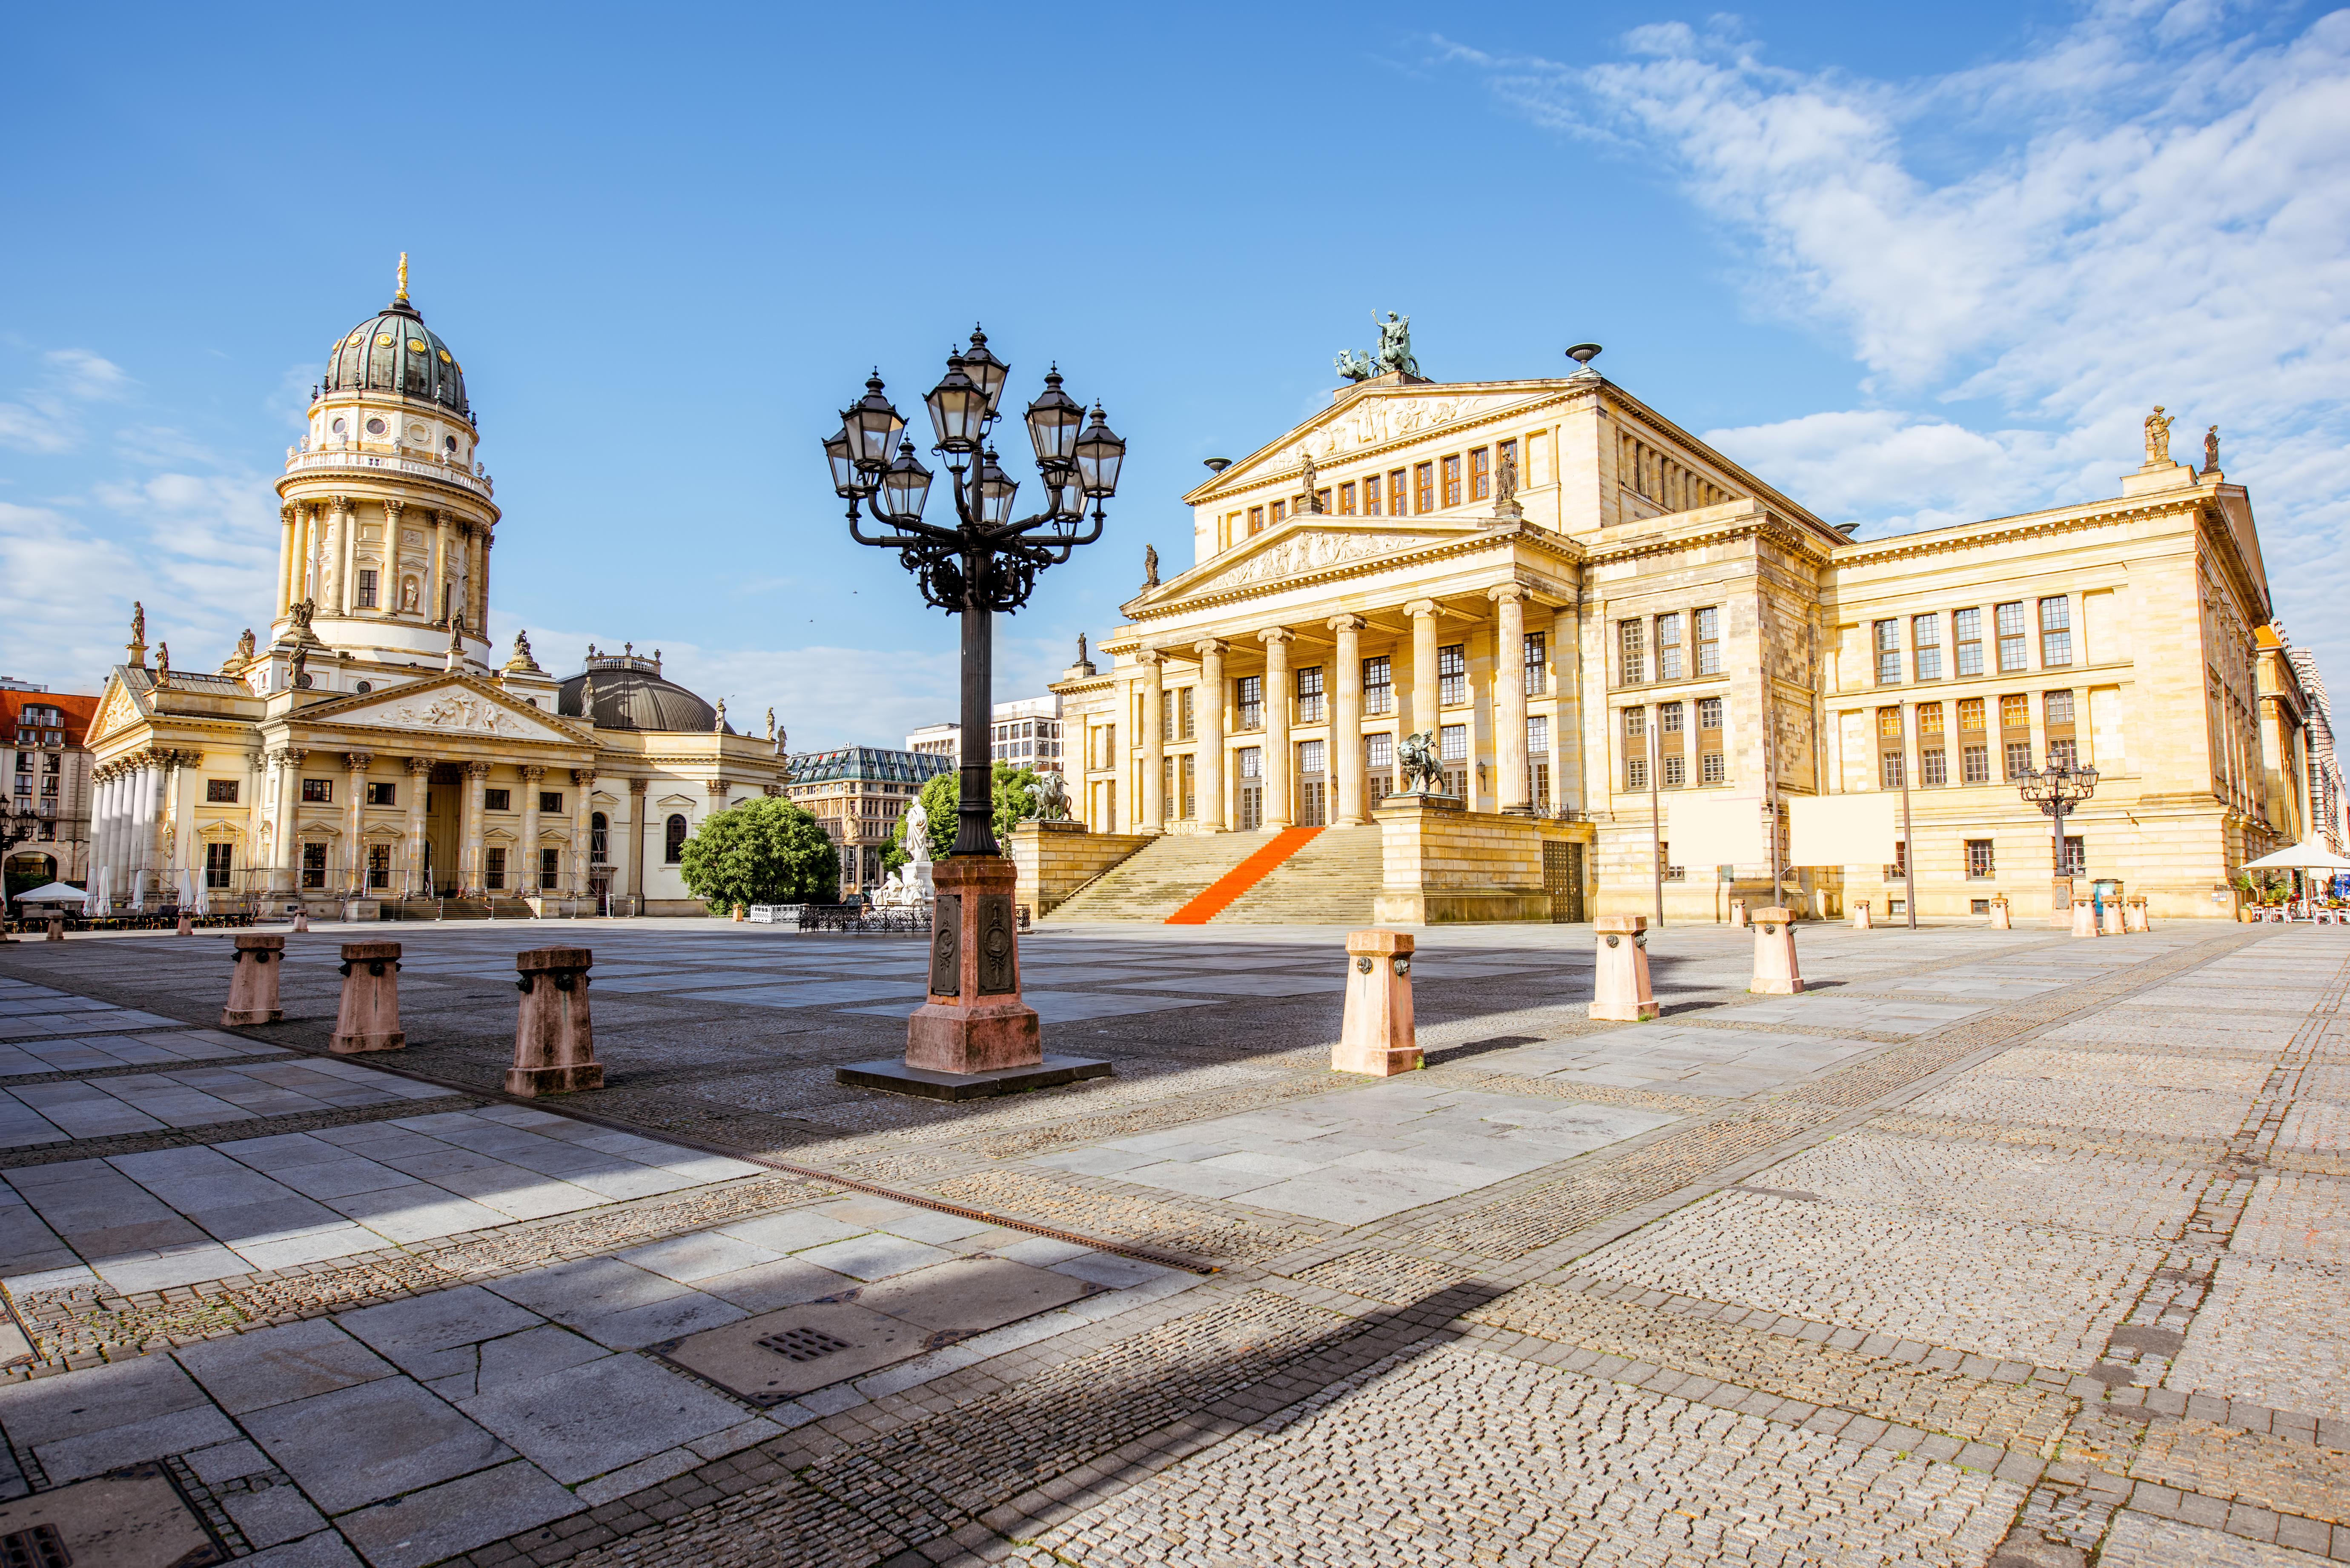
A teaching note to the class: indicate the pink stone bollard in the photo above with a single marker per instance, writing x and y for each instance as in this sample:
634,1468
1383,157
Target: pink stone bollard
370,1018
301,919
187,925
1774,953
554,1045
2002,918
2084,920
1376,1037
1860,921
57,926
1619,986
2133,917
253,983
1738,912
2109,924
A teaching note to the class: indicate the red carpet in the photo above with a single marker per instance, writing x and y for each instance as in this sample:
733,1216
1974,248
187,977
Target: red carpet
1214,898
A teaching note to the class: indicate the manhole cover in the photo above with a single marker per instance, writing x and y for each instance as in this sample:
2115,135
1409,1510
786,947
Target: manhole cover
804,1343
133,1517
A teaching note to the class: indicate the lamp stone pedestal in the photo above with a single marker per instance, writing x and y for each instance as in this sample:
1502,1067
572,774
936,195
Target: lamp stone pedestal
555,1039
973,1037
253,983
1376,1036
368,1019
1619,985
1774,954
2060,902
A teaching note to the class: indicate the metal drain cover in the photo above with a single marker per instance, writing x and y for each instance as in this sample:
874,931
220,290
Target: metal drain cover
130,1518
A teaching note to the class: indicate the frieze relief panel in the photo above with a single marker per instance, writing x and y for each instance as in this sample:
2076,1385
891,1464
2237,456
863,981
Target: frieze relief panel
1312,551
1375,421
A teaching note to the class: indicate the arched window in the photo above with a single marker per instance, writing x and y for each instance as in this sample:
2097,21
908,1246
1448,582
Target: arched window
675,845
599,837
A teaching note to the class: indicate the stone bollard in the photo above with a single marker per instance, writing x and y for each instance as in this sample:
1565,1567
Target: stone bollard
1860,916
2109,923
2084,920
554,1045
57,926
253,983
301,919
187,925
1738,911
1774,953
2001,918
370,1018
2133,917
1619,987
1376,1037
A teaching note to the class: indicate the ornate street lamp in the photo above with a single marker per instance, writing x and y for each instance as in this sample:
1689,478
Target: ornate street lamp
14,829
2056,790
985,562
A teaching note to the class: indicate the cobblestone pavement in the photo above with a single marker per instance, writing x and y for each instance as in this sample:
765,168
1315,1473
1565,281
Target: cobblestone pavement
1995,1248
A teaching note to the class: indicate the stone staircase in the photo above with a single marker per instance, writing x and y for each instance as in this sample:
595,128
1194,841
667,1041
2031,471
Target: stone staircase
1333,880
1334,877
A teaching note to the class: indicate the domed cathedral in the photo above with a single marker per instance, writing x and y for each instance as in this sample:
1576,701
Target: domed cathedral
374,750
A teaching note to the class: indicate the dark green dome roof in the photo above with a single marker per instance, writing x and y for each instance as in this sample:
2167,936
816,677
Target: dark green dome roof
394,351
628,694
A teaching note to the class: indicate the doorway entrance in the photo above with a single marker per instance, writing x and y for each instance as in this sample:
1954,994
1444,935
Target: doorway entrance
1312,785
444,813
1249,794
1563,880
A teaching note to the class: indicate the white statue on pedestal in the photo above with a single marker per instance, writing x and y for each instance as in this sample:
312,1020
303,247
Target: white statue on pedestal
917,845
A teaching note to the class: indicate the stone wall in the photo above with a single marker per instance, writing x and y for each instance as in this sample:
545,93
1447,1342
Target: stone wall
1053,859
1445,866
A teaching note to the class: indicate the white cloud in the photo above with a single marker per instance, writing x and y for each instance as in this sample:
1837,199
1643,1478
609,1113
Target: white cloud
2145,208
45,417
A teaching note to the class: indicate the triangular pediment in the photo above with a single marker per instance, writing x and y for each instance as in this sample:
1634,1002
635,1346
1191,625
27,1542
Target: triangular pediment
1371,417
120,708
1305,546
454,706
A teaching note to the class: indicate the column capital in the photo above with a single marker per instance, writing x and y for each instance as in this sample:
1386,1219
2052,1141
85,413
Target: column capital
1419,607
358,762
288,512
1346,623
1208,647
534,773
393,506
419,766
477,771
637,786
584,777
1148,656
1517,591
1277,634
715,787
291,756
338,504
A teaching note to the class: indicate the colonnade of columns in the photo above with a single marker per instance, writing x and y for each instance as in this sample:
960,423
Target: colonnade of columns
319,560
128,811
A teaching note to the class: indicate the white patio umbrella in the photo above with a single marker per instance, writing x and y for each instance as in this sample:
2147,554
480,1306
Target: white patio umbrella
187,890
204,894
2310,855
54,893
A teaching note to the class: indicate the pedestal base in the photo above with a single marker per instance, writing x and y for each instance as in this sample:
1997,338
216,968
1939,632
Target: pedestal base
1624,1011
1776,987
352,1045
535,1081
233,1018
941,1037
898,1078
974,1020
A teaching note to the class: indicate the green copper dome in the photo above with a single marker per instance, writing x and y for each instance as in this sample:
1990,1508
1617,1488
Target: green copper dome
394,351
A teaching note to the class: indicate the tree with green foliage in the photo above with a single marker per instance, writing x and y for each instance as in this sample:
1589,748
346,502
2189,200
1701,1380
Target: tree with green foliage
763,851
1016,798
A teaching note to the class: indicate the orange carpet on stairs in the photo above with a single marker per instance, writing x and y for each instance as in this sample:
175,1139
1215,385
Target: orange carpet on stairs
1218,895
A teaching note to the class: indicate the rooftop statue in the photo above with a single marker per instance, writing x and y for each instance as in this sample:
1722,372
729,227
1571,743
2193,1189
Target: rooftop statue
2211,450
1308,502
1393,354
1150,565
2157,438
138,621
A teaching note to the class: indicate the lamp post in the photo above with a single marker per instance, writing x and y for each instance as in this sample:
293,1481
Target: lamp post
14,829
985,562
2056,790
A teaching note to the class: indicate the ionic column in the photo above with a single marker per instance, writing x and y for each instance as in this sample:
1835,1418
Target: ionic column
1424,687
306,538
419,781
347,556
386,586
355,772
286,557
477,583
1211,701
531,776
622,850
469,853
151,840
285,875
583,786
1154,743
1345,764
1510,791
1277,696
1566,723
436,606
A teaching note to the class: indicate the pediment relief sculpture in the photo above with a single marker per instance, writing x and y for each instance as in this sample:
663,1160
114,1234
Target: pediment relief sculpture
1312,550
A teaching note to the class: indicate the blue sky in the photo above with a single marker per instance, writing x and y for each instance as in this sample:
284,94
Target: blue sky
1912,266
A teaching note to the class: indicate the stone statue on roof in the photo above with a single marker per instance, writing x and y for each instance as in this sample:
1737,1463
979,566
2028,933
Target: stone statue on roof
1393,354
138,621
2157,438
719,725
245,645
1150,565
2211,450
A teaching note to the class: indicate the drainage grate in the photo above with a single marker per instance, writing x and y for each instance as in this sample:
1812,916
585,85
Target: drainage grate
799,1344
40,1547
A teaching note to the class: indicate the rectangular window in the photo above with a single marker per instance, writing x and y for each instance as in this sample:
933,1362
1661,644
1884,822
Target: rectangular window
1480,474
1709,642
1185,719
1378,686
1322,499
2063,754
216,864
1252,704
1309,694
1976,762
366,588
1252,762
1452,675
1347,500
497,800
1395,492
2059,707
1635,723
494,868
221,792
2019,759
1971,714
1669,718
1370,495
1378,752
379,873
1712,768
1966,631
1926,639
24,762
1929,718
314,866
1452,744
1537,662
1709,713
1899,866
1890,767
1276,513
1676,770
551,802
383,793
550,870
1635,773
318,792
2055,632
1632,661
1311,756
2015,711
1423,485
2011,636
2076,856
1888,653
1668,647
1978,863
1537,735
1256,520
1672,873
1453,480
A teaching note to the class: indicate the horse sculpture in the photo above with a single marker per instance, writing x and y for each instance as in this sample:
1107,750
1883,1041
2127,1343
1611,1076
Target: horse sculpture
1422,773
1052,799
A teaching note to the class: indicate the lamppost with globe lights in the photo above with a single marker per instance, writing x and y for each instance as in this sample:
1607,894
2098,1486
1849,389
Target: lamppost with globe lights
2056,790
986,562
